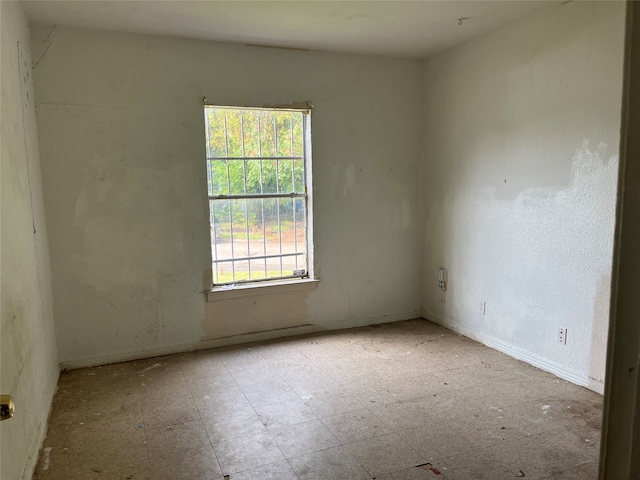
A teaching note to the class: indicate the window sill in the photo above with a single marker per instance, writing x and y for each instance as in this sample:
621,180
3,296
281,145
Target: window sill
238,291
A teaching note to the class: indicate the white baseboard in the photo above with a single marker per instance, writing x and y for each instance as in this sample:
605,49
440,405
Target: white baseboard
326,325
518,353
33,452
126,356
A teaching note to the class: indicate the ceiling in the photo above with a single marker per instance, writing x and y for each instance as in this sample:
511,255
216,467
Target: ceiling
405,29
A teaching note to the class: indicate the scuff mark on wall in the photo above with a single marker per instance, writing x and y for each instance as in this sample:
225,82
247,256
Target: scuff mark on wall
250,314
346,90
600,334
126,187
49,42
349,179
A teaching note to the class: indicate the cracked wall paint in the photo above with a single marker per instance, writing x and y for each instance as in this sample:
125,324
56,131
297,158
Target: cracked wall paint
121,129
520,185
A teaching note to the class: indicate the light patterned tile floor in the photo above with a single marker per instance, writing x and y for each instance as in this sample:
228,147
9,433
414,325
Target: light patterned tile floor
407,400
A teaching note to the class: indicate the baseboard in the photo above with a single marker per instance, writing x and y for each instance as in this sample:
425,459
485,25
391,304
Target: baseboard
127,356
33,453
327,325
520,354
330,325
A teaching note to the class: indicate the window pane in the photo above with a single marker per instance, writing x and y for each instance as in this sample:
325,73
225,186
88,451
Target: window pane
257,269
298,135
251,134
284,133
219,180
267,139
219,209
300,225
298,168
269,179
223,272
250,153
215,132
273,268
236,177
285,175
252,169
234,137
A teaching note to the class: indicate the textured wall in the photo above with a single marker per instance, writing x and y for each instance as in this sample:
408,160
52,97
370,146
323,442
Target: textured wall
122,135
521,146
29,358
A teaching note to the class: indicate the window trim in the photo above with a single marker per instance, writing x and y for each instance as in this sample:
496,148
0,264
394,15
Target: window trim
226,292
278,284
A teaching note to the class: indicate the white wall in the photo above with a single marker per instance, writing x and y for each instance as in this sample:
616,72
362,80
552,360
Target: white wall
122,139
29,358
521,157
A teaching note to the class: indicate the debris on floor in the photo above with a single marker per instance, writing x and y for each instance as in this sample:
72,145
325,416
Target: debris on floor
520,474
45,461
429,467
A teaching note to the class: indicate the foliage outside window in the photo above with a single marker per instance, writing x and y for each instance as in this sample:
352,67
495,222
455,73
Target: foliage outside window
257,180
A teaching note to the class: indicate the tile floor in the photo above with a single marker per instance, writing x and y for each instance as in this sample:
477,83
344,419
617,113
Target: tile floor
408,400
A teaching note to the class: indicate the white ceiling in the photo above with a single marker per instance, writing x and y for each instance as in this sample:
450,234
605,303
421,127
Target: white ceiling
407,29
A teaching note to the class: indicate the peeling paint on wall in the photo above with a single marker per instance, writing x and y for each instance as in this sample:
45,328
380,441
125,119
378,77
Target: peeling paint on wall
520,185
122,133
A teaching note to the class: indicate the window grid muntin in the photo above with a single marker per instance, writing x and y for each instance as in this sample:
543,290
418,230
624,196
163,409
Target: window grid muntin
296,199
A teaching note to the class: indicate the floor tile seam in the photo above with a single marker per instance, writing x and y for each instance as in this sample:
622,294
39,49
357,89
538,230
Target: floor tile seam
310,452
501,445
406,377
431,424
587,463
193,397
285,459
347,444
188,391
510,404
447,460
343,443
331,430
296,393
406,445
330,448
567,470
305,356
213,449
546,430
178,422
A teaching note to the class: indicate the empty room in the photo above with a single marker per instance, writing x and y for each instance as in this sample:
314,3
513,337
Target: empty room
320,240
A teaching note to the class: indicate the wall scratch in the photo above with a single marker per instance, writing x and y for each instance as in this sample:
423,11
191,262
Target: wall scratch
347,90
48,46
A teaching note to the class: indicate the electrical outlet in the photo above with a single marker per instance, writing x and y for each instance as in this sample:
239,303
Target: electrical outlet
562,336
482,307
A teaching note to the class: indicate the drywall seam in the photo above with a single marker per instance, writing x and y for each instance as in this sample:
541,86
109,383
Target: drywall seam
525,356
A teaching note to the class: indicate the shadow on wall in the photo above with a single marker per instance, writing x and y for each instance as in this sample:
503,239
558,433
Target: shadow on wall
599,334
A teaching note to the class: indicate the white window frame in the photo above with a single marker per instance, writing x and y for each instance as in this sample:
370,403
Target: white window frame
309,275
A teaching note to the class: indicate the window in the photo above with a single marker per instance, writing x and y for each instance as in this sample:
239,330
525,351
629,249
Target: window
258,173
